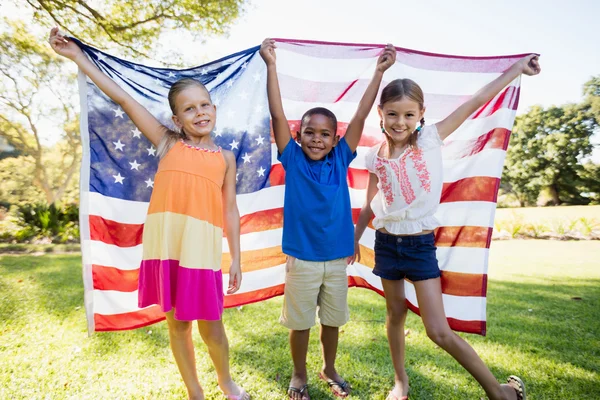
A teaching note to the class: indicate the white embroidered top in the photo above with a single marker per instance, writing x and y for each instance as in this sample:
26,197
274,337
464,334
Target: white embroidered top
409,186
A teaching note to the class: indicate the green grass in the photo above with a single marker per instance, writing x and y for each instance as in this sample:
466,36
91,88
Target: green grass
535,329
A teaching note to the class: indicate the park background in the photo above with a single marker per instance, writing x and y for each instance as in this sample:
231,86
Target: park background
544,274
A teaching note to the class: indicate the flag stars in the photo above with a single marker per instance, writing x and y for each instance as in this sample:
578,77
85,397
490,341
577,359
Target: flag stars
244,65
234,144
158,81
217,132
135,165
149,183
171,75
118,145
256,77
230,83
118,178
260,140
136,133
204,71
261,171
247,158
258,109
118,112
151,151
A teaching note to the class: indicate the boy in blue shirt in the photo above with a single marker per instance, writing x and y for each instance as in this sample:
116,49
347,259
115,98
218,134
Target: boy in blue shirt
318,233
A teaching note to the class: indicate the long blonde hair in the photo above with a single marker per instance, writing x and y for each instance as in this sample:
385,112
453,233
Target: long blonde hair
172,136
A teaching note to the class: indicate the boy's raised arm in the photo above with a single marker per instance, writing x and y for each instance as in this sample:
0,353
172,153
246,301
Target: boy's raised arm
357,123
281,129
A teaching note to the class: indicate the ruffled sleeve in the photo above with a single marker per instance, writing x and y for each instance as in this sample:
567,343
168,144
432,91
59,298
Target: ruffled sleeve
370,157
429,138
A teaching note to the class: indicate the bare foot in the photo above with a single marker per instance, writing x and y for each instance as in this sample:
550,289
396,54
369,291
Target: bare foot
232,391
400,389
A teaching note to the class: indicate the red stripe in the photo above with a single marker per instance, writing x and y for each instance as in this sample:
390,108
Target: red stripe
478,188
111,278
477,327
117,233
341,96
130,320
495,139
508,98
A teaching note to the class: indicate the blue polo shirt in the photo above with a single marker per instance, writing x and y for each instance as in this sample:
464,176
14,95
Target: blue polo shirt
317,217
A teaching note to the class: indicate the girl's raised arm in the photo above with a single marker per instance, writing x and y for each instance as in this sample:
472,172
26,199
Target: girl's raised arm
146,123
357,123
528,65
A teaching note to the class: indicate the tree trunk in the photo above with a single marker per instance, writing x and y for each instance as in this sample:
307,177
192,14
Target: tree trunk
554,193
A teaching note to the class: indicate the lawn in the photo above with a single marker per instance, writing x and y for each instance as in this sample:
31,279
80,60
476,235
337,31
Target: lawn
537,328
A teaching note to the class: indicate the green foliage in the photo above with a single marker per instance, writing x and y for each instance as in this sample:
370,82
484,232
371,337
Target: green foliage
546,149
35,91
135,25
34,221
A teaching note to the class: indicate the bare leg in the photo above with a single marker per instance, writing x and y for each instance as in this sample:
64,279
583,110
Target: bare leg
213,334
429,296
180,336
299,348
395,300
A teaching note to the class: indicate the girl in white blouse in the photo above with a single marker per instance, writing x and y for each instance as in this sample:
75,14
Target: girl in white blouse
403,193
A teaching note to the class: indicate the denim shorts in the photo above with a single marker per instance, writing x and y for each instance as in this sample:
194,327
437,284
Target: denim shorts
399,257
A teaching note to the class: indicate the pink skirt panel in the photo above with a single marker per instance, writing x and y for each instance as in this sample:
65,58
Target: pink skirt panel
193,293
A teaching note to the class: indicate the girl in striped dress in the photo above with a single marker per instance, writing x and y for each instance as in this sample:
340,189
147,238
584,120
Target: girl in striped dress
193,201
403,194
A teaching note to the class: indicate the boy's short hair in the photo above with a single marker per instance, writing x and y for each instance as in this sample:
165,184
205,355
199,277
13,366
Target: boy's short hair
320,111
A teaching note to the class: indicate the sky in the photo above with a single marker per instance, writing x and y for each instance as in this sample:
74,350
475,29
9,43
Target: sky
564,33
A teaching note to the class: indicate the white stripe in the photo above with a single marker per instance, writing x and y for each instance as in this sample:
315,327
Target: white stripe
84,184
467,260
125,258
110,302
466,213
347,70
465,308
488,162
273,198
123,211
257,240
257,280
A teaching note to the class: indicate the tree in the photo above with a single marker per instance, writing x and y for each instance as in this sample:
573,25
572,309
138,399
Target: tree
30,74
135,25
546,150
591,91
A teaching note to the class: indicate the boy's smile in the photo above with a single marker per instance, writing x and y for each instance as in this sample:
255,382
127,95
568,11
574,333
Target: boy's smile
317,137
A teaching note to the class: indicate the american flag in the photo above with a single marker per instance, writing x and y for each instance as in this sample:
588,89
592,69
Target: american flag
119,164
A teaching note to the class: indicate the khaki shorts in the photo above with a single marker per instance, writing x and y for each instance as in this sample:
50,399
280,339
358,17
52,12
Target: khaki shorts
309,284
